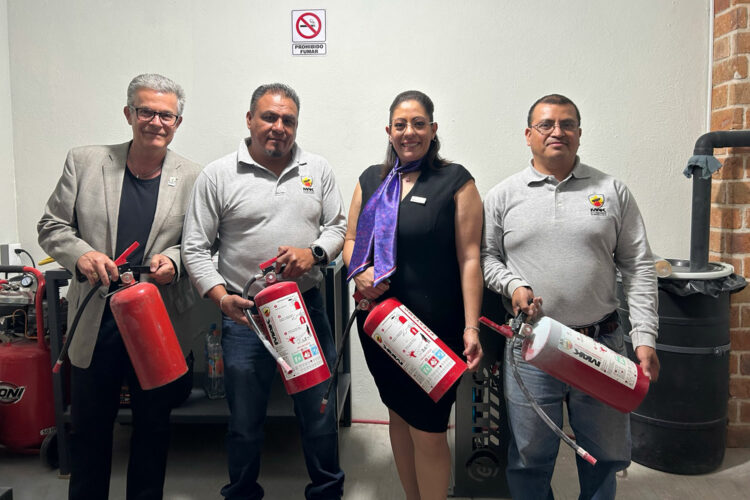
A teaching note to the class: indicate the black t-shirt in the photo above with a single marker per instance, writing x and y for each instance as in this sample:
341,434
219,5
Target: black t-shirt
137,208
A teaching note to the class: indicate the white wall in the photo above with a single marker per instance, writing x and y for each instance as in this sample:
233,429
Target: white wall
637,70
8,218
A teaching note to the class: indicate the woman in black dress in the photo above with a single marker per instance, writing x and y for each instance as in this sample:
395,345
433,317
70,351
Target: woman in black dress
415,225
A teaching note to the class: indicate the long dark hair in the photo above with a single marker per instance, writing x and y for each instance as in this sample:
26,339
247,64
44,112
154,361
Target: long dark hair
431,159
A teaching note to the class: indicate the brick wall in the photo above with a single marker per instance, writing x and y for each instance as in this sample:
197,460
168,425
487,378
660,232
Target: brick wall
730,208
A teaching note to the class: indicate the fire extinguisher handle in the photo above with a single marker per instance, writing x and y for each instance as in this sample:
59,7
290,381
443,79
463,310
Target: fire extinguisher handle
265,265
362,303
123,257
503,330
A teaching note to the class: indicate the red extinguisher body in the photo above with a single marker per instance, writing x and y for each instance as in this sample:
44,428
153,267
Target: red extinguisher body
586,364
148,335
26,403
414,347
289,329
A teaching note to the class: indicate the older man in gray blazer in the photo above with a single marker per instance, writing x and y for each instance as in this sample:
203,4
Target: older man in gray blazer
106,198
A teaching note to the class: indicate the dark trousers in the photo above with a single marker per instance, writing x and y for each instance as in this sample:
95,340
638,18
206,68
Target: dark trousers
95,400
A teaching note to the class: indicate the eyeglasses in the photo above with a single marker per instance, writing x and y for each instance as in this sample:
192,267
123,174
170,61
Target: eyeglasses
417,125
146,115
546,127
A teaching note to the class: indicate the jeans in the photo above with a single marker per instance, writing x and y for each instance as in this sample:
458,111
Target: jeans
95,401
599,429
248,372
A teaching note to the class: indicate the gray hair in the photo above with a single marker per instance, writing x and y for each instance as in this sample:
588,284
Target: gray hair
273,88
158,83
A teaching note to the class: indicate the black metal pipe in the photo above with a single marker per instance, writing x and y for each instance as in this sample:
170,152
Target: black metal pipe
701,214
721,139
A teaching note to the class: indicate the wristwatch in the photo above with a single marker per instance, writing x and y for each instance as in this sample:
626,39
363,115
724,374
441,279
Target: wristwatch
319,254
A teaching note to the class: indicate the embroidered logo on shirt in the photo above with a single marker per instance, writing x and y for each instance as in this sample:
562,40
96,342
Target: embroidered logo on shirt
307,185
597,200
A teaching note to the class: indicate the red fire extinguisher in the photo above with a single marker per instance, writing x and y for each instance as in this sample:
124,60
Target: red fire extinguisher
148,335
144,326
289,333
409,343
577,360
26,412
414,347
581,361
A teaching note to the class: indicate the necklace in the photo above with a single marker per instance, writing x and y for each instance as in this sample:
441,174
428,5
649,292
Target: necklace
146,175
409,177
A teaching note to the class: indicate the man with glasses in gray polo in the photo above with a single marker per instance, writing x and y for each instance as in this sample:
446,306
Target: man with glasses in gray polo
559,231
107,198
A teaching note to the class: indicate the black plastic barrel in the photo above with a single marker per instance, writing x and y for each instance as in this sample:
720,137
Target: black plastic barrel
681,425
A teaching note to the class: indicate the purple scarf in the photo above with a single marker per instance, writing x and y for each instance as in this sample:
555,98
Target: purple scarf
376,228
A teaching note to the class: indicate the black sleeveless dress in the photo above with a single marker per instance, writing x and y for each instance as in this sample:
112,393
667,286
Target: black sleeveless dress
427,281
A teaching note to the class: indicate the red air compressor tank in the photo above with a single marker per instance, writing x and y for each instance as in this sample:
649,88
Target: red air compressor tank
413,346
26,403
148,335
289,329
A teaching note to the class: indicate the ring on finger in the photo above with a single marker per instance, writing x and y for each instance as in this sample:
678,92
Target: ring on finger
95,275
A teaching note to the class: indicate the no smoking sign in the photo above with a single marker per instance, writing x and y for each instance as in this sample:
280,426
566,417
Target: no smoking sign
309,25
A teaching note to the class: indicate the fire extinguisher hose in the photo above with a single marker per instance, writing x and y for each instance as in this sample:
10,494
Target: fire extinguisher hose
580,451
121,260
245,295
339,351
66,345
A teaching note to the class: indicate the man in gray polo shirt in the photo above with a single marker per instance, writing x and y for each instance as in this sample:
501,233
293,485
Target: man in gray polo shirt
268,199
559,231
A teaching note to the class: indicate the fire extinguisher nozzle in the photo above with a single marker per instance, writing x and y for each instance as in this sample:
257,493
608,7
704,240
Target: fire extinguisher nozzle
284,365
56,367
585,455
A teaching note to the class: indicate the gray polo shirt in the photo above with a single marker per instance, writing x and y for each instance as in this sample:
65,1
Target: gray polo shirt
567,240
251,212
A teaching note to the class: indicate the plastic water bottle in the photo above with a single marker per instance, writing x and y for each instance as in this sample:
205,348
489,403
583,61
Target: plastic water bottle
214,383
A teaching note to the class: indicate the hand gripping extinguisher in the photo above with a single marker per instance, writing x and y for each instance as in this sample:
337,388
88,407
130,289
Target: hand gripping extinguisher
144,326
289,333
410,344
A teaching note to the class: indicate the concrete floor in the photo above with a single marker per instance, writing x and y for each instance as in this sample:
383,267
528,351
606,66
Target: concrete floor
197,470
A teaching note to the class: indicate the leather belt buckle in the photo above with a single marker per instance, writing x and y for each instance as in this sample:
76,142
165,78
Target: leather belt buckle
605,326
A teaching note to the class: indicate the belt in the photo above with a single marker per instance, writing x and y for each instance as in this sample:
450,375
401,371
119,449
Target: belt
305,294
603,327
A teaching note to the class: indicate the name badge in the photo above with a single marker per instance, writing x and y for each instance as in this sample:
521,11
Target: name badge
419,199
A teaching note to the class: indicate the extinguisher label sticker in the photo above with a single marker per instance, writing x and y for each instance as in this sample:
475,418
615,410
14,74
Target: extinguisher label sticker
11,393
597,356
410,343
292,334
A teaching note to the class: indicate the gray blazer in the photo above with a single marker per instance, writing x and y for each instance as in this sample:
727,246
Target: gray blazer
81,216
